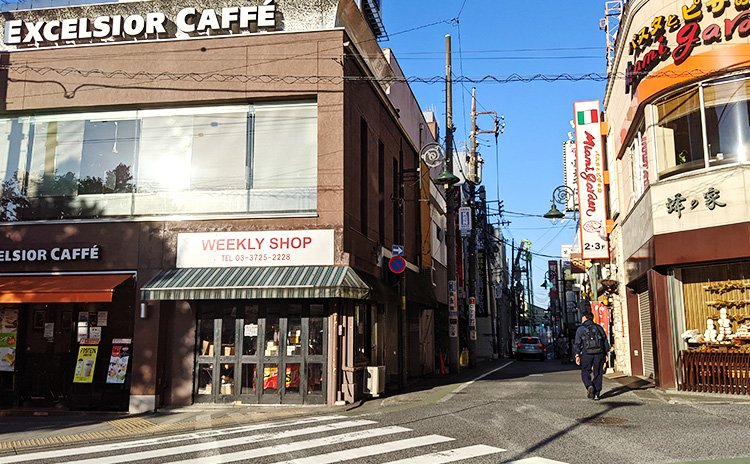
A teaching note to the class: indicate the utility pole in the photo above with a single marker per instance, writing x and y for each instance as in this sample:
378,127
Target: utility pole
475,166
472,338
450,215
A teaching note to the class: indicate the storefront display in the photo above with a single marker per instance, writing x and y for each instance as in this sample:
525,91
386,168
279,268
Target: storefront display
728,328
717,315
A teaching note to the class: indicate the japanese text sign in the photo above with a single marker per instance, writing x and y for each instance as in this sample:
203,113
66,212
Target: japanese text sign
590,175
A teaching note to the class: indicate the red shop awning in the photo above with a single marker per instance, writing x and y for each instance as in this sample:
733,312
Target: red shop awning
60,289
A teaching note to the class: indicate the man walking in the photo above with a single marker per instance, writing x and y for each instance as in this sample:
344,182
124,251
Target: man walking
591,347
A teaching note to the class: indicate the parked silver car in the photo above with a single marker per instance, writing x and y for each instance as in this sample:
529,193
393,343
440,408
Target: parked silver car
530,347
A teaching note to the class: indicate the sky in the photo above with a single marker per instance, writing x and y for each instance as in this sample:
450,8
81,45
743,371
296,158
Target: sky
500,38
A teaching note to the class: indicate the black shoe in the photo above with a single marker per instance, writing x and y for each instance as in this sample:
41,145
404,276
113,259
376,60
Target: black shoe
591,392
597,396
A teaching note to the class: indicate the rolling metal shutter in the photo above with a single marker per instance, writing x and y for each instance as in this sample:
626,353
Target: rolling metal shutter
647,341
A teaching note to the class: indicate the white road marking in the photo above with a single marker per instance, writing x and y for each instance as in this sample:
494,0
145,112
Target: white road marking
160,441
453,455
536,461
295,446
371,450
464,385
226,442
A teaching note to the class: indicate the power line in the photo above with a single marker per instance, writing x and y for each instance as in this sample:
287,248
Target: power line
292,79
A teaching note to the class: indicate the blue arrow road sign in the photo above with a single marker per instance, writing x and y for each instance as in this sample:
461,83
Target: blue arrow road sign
397,250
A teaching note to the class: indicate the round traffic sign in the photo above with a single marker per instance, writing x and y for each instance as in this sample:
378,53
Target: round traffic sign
397,264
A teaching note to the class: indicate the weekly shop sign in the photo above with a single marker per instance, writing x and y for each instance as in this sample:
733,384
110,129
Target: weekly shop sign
256,249
590,175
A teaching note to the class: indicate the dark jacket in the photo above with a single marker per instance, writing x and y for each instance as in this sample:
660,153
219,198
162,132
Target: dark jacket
581,332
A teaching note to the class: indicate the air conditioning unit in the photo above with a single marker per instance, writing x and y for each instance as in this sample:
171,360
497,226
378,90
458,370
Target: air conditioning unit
374,383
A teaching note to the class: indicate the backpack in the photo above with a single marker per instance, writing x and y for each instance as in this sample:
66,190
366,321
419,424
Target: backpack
593,342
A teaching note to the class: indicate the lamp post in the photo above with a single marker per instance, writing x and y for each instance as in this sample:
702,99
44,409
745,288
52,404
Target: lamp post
562,194
433,156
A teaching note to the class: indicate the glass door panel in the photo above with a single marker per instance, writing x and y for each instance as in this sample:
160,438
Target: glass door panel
248,329
293,355
271,325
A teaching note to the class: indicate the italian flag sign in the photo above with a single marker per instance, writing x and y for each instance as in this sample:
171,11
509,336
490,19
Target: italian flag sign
587,117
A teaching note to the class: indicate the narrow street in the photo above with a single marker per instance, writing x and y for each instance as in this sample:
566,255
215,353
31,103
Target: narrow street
503,411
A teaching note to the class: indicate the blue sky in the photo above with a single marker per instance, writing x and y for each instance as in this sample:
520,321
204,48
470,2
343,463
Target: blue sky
501,38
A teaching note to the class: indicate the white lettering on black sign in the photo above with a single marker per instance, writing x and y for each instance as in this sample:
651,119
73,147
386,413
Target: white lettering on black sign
187,20
54,254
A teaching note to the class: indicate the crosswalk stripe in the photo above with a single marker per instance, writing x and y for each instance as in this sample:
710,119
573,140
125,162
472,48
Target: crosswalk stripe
295,446
109,448
371,450
227,442
452,455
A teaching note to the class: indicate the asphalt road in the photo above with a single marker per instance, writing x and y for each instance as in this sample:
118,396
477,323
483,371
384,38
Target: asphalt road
526,412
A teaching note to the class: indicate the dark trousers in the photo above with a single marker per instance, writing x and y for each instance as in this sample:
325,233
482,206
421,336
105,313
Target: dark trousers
592,364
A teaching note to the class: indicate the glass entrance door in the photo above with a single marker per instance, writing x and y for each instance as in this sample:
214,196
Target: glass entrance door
267,353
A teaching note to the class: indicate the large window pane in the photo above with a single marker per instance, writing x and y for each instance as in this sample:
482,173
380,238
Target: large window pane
727,124
194,150
679,135
208,160
286,146
13,148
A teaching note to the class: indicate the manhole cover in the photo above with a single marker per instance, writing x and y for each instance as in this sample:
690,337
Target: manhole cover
603,420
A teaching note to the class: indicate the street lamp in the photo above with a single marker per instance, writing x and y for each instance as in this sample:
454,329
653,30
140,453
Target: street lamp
562,195
433,156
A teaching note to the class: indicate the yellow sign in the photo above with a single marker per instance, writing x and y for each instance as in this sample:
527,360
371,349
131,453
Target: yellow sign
85,365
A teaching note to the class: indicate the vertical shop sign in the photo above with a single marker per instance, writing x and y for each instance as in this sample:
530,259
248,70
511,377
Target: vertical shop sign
554,292
118,364
590,174
472,319
8,337
452,310
85,365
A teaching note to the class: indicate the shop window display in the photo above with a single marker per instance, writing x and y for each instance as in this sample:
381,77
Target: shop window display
715,352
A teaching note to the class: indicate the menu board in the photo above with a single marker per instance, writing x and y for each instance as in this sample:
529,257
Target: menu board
8,337
118,364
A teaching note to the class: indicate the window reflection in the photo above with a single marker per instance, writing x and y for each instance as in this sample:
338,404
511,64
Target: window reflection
224,159
727,125
679,134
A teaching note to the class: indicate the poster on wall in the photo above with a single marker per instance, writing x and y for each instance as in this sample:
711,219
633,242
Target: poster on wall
8,337
85,365
601,315
590,173
118,364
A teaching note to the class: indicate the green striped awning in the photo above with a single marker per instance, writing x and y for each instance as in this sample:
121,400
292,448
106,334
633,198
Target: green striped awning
255,282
